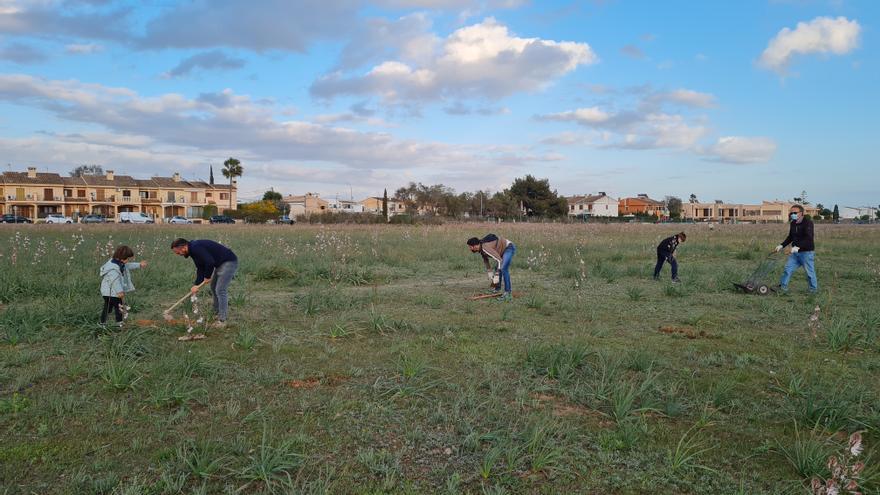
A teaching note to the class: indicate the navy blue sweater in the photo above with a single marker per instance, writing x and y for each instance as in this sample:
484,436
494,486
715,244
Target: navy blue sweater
208,255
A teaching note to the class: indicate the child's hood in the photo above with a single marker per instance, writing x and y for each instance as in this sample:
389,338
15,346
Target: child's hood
110,266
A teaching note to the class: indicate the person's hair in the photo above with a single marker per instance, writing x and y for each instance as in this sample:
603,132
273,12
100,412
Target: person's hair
123,253
473,241
179,242
798,208
682,236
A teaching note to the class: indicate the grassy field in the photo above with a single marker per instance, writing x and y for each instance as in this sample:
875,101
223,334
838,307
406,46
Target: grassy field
354,363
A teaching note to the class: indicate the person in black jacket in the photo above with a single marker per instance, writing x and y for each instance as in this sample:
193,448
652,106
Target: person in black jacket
215,263
800,236
666,252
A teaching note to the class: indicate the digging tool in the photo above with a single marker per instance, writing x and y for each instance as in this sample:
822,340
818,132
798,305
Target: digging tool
492,295
167,313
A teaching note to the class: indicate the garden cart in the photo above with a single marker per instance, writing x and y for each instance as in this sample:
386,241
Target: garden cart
757,282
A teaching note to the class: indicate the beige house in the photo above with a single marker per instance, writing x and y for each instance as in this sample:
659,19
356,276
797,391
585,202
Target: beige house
374,205
767,211
307,204
36,195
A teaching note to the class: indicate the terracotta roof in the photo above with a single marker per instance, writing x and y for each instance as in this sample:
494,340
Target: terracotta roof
118,181
41,178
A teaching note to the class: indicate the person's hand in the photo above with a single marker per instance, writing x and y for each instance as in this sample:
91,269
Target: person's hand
121,295
195,289
795,249
143,264
778,248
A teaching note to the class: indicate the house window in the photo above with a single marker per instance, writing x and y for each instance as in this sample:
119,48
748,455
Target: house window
171,197
193,197
224,195
126,193
80,193
208,195
143,194
68,193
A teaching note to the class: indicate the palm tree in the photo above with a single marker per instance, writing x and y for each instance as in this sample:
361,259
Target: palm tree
231,169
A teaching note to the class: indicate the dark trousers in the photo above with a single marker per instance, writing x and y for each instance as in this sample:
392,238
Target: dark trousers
111,304
663,256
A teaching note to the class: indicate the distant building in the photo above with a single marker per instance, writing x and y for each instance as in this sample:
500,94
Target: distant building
36,195
374,205
719,211
306,204
593,205
856,212
344,206
642,205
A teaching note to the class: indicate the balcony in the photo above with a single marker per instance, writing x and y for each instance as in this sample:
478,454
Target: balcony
151,201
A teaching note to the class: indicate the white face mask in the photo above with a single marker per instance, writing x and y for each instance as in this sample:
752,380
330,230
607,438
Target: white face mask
794,217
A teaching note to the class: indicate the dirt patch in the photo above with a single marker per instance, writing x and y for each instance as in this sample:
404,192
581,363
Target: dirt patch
561,408
686,332
157,323
314,382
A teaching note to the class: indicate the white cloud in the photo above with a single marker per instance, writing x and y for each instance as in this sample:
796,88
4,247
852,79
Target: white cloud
210,60
740,149
143,131
687,97
479,61
821,35
584,116
83,48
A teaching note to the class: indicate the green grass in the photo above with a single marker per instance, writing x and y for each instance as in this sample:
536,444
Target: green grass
354,362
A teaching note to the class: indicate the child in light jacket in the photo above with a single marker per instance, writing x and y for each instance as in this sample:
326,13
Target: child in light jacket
116,281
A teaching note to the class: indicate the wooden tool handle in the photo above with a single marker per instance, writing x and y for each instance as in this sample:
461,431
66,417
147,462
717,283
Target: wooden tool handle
178,303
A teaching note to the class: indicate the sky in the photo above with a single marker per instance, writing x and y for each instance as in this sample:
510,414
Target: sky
737,101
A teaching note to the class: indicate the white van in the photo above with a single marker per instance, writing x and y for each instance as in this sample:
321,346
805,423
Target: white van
134,217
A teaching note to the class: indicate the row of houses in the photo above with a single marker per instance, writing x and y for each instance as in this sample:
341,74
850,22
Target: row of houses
312,203
36,195
602,205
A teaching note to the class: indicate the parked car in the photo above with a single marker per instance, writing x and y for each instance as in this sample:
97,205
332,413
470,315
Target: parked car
221,219
93,219
177,219
58,218
15,219
134,217
286,220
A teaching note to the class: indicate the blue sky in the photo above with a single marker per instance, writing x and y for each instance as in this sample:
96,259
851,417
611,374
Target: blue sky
738,101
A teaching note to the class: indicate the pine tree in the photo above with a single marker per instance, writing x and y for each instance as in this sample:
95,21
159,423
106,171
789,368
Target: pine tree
385,205
836,213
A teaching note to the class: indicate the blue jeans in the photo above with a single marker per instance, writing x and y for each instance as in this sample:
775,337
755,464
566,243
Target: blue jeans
505,265
219,287
662,257
794,261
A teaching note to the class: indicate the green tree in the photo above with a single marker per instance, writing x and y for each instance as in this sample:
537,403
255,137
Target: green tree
385,204
209,211
231,169
87,170
537,198
673,204
272,196
693,198
836,213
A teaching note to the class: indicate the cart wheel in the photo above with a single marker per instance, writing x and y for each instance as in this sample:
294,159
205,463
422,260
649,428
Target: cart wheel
763,290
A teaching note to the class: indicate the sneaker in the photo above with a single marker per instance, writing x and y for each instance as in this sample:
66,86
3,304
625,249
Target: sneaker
676,280
219,324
